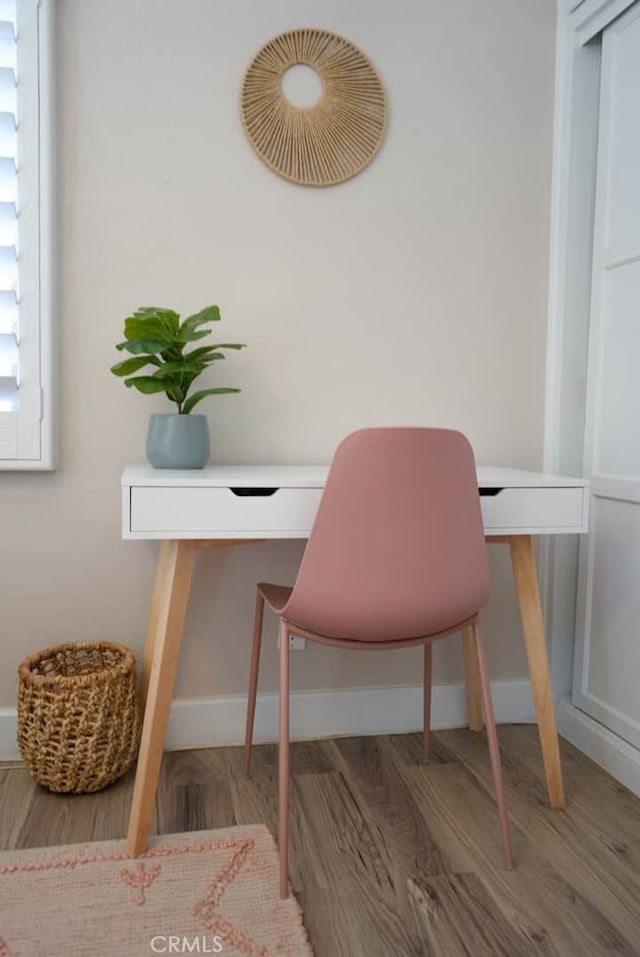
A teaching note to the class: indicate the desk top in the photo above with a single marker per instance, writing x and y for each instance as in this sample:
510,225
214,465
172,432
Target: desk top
314,476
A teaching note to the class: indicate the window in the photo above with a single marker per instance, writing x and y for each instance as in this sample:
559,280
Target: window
26,231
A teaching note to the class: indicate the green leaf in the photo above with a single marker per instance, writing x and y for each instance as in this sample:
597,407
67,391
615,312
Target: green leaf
208,314
176,368
149,328
198,396
203,352
167,316
188,335
230,345
176,393
147,384
141,346
127,366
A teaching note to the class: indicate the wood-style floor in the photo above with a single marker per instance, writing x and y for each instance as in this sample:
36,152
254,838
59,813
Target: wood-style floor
392,858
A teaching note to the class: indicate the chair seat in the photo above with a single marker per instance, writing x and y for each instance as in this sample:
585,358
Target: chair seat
276,596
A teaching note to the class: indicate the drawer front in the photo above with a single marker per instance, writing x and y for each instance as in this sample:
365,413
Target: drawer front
198,512
533,509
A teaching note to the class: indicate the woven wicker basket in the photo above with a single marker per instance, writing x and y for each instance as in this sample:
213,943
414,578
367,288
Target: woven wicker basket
78,716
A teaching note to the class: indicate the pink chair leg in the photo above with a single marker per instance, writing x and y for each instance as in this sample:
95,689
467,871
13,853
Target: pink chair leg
426,700
253,680
283,762
494,750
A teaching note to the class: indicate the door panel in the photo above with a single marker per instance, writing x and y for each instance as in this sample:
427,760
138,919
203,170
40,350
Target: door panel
607,657
616,449
621,42
610,663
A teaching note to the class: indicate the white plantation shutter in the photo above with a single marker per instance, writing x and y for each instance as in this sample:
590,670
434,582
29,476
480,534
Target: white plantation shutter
8,213
26,269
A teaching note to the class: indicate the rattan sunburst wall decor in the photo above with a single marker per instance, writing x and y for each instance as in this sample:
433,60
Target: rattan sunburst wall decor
330,141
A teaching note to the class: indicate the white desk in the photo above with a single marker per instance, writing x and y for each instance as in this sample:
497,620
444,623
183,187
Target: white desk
228,505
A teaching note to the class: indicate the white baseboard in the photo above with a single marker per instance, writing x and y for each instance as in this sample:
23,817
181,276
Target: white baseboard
322,714
607,749
8,742
213,722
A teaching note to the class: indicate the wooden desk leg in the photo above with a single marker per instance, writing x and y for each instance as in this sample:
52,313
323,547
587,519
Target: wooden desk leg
472,680
171,594
526,581
159,589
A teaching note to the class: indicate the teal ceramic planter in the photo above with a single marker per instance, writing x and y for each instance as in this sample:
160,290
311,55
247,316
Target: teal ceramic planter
178,441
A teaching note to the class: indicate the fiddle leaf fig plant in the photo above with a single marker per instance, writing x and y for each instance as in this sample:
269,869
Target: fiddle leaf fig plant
159,339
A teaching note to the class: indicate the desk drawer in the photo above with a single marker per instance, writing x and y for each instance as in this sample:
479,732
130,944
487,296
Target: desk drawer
533,509
198,512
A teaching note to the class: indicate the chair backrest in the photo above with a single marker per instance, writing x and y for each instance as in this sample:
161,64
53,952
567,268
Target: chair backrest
397,548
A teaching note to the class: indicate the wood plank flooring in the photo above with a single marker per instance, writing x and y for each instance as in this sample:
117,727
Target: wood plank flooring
394,858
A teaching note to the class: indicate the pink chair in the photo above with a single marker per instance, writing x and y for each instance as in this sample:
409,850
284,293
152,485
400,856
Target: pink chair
396,557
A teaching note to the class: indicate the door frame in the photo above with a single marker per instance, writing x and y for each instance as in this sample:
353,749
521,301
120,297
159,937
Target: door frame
579,25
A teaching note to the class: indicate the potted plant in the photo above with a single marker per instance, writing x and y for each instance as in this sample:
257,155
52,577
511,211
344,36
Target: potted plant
160,340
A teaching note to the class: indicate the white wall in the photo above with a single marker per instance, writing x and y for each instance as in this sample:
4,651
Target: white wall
414,293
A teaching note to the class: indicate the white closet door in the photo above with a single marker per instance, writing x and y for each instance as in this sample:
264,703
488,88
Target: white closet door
607,659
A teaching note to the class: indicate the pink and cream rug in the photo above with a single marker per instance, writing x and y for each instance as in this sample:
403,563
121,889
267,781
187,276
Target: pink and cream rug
204,892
